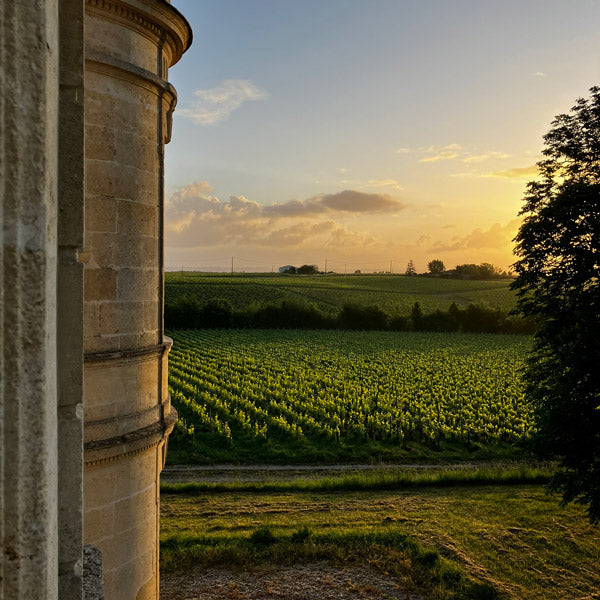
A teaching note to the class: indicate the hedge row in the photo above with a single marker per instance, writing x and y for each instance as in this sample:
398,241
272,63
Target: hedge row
188,313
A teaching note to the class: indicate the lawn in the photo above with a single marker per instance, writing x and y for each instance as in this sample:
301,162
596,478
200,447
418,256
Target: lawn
515,539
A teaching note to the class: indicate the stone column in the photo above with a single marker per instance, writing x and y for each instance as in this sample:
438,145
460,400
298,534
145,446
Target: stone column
129,45
28,215
70,300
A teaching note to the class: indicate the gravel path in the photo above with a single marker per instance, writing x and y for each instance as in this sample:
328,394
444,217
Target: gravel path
314,581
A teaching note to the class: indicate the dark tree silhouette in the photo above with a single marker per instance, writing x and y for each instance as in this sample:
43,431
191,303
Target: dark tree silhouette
307,270
410,268
558,284
436,266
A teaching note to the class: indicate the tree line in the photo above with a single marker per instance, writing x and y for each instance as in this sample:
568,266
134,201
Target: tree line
187,312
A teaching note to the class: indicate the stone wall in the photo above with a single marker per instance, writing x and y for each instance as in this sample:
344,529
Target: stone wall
81,334
41,210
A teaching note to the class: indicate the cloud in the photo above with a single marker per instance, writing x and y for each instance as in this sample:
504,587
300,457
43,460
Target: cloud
516,173
436,153
391,183
195,217
478,158
456,151
347,201
403,151
539,74
216,104
497,237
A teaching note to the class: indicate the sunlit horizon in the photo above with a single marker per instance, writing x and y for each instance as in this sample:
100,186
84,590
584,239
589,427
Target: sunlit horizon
365,134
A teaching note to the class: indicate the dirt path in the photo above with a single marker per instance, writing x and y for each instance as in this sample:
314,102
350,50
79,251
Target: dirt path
257,473
314,581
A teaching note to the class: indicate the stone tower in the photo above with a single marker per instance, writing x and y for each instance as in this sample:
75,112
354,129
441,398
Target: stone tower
129,46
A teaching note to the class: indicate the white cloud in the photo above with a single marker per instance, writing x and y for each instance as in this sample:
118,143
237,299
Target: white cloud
436,153
539,74
517,174
216,104
479,158
195,218
389,183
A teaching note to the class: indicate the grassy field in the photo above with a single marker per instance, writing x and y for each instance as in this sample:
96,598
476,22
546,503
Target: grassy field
394,294
312,396
486,541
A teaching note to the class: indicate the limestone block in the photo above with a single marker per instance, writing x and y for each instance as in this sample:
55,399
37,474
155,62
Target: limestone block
137,284
100,523
152,316
100,143
135,251
99,284
135,218
100,214
137,151
101,248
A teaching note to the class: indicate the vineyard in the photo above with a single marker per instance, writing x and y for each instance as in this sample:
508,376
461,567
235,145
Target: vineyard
330,293
293,396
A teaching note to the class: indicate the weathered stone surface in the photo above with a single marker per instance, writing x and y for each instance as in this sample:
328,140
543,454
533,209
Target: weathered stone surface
28,242
93,578
129,46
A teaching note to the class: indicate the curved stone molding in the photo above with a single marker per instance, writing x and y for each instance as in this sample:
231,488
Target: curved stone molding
131,443
151,351
104,63
164,24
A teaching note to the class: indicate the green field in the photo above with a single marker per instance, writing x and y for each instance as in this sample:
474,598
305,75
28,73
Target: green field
394,294
514,541
324,397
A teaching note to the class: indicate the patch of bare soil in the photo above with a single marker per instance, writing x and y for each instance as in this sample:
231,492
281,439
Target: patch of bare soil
314,581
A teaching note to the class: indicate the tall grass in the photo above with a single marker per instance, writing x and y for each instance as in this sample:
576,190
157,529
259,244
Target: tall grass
379,480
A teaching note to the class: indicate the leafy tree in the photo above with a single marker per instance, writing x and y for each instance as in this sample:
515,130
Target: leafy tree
308,270
410,268
558,284
436,266
417,317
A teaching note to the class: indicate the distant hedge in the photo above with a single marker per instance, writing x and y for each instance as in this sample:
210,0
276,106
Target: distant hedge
188,313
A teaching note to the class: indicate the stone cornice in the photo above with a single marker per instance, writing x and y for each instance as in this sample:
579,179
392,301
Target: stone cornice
142,352
134,442
104,63
155,18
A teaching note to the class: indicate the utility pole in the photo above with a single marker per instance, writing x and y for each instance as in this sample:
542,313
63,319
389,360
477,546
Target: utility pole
345,271
232,265
325,266
391,272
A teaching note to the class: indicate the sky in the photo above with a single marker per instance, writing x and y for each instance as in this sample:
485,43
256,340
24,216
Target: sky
365,133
